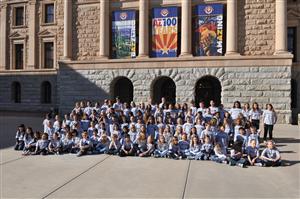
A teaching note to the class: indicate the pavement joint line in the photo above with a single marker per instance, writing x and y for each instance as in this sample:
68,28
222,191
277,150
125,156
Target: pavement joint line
75,177
186,179
10,161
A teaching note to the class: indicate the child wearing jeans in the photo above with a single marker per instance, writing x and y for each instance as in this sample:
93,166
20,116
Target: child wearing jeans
253,154
42,145
270,155
174,150
150,147
194,149
269,118
127,147
114,146
103,144
236,155
20,137
161,148
85,144
55,145
184,146
206,149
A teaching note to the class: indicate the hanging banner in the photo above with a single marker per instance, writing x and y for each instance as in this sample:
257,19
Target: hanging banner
164,32
208,30
123,34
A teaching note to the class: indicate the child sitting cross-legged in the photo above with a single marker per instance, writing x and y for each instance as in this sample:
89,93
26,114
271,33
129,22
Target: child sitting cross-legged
161,148
271,155
127,147
85,144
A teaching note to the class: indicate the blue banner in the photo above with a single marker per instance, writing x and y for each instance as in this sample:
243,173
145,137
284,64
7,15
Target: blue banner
164,32
123,34
208,30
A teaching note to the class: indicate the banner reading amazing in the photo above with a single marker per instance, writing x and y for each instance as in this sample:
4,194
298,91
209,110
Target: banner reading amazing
208,30
164,32
123,34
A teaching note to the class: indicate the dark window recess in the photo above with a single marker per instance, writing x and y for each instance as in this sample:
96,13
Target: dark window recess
19,16
19,56
46,93
294,89
292,42
16,92
48,55
49,13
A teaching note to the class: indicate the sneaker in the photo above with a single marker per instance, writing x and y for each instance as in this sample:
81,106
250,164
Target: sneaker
240,165
258,164
224,162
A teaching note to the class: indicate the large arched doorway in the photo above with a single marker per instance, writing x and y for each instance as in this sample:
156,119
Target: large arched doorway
122,87
208,88
163,87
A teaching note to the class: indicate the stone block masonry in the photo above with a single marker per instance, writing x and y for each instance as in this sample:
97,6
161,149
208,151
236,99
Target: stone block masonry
246,84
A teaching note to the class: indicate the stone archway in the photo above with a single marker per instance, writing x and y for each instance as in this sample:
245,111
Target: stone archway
163,87
208,88
122,87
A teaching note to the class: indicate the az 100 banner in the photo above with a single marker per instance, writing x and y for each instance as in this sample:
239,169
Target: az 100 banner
123,34
164,32
208,30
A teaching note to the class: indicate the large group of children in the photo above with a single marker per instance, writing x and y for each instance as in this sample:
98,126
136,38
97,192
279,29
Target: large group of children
229,136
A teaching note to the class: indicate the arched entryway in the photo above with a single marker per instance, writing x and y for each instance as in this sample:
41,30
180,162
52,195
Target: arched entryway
122,87
163,87
208,88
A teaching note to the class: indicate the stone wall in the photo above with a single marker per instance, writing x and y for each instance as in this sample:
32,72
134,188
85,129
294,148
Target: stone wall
256,24
30,92
86,31
246,84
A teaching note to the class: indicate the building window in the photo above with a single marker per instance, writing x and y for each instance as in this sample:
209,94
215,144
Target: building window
48,55
49,13
16,92
19,16
19,56
46,93
292,42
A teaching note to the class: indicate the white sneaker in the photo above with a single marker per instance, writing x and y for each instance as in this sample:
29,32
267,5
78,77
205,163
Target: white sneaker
258,164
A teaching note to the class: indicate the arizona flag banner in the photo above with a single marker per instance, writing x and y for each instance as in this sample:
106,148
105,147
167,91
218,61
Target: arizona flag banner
164,32
123,34
208,30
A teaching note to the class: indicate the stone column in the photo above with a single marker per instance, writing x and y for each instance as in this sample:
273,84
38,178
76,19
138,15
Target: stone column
281,27
186,32
3,37
143,29
67,29
232,28
32,35
104,29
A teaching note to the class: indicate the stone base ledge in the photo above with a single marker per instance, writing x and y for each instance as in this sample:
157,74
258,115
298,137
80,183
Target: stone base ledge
180,62
29,72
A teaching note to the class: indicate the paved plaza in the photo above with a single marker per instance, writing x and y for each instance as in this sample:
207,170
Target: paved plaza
103,176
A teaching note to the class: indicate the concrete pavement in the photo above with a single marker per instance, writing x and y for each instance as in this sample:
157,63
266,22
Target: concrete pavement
103,176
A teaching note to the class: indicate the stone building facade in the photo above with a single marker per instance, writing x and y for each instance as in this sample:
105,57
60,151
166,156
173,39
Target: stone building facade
256,65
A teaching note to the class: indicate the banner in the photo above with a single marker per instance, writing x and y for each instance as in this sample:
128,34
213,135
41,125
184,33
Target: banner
164,32
123,34
208,30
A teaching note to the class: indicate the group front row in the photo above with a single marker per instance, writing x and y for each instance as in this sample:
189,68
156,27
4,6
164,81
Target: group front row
205,148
